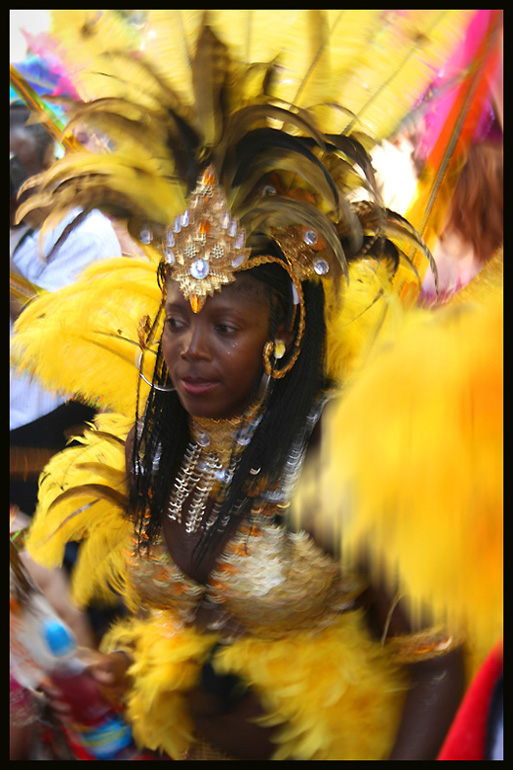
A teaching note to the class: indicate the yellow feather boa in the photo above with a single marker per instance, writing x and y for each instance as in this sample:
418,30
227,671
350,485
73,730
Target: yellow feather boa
332,695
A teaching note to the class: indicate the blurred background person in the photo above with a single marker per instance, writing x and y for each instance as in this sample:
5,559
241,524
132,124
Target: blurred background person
40,420
473,230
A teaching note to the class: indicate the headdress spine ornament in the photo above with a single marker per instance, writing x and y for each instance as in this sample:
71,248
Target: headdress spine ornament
205,245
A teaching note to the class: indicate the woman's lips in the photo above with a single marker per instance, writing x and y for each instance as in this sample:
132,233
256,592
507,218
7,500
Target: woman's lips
197,387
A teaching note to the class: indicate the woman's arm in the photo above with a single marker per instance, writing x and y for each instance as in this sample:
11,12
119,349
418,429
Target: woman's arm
435,693
437,683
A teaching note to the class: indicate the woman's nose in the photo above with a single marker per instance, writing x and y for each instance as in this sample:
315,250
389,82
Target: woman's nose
196,343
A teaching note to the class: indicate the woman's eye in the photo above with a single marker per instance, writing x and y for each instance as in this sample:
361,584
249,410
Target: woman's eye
226,329
174,324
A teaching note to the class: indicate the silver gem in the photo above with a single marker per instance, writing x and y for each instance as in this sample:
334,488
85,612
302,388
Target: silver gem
203,439
146,235
199,269
170,257
321,267
225,220
177,224
232,230
237,262
239,241
310,237
185,218
170,238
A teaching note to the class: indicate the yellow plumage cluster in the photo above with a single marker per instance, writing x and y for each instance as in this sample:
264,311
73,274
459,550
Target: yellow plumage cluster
86,343
327,57
82,497
412,464
338,672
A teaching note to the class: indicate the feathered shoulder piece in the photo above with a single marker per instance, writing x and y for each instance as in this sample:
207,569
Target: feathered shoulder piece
87,339
411,467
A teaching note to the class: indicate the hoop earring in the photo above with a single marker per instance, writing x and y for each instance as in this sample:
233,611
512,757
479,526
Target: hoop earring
162,388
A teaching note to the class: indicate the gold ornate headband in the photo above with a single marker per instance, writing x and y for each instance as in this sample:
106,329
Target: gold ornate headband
206,246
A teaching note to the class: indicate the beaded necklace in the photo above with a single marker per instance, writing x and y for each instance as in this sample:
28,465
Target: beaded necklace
209,463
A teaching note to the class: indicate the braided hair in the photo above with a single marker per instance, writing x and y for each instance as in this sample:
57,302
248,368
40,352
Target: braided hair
163,433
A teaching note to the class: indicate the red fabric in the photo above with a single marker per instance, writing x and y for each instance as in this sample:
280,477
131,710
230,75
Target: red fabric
467,736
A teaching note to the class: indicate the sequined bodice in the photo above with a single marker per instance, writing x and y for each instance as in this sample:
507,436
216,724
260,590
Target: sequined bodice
269,580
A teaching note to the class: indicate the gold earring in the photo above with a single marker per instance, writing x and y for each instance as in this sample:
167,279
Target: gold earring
276,349
279,349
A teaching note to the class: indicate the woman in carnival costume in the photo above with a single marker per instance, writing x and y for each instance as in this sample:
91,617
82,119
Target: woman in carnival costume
244,638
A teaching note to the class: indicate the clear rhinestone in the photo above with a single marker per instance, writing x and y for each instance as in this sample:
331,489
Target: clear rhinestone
200,269
184,221
232,229
170,257
310,237
170,239
203,439
177,226
237,262
239,241
146,235
321,267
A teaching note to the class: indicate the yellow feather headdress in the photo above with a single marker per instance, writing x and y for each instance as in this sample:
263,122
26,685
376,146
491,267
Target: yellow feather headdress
283,105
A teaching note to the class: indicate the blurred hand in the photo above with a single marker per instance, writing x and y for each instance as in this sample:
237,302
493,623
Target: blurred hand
109,671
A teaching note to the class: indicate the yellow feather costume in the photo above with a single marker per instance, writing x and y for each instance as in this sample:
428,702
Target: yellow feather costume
336,669
331,689
432,401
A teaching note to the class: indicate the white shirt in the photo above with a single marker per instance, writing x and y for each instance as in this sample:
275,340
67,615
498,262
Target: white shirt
92,240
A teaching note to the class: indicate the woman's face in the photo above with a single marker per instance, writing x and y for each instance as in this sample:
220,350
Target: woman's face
215,357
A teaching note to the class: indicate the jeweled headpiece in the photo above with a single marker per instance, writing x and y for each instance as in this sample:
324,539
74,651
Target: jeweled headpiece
205,245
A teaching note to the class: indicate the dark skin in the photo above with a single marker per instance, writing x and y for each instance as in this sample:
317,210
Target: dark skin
214,358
